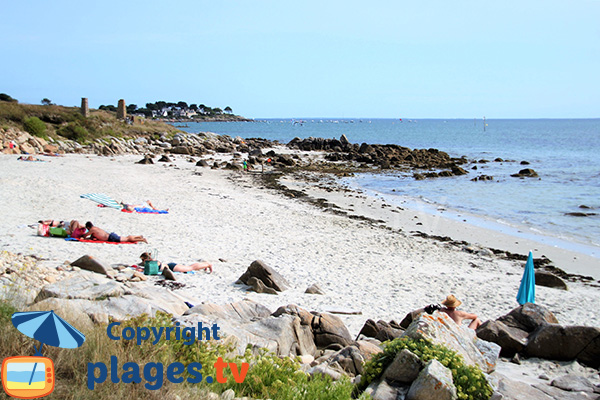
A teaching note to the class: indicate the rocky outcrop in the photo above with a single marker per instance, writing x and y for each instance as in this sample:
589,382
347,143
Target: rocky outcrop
381,330
526,173
267,275
543,278
433,383
439,328
555,342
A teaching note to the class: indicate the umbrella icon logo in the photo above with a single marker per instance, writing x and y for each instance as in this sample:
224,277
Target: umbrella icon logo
30,377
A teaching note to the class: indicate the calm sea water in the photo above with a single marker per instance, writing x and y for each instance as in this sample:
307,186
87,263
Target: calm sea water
565,153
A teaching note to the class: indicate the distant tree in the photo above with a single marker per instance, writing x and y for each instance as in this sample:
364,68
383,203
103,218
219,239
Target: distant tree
193,107
182,104
202,108
131,108
46,102
151,106
108,108
160,105
228,110
5,97
217,111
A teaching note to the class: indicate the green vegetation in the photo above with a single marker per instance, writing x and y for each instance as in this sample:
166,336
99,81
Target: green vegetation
268,377
5,97
35,126
67,122
469,381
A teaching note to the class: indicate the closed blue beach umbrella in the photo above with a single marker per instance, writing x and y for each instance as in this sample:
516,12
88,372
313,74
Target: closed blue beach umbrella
527,289
48,328
102,199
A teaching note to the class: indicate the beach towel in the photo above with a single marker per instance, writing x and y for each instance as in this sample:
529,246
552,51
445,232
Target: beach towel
103,200
145,210
70,239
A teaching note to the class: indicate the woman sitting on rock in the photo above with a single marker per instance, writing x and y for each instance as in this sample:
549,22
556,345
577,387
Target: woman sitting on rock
451,303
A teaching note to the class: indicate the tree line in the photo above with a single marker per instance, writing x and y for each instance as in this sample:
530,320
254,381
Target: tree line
172,109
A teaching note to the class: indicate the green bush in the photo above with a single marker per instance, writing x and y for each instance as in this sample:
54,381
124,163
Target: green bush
74,131
470,382
35,126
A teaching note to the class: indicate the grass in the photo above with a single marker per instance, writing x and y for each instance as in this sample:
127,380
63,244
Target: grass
470,382
67,122
269,376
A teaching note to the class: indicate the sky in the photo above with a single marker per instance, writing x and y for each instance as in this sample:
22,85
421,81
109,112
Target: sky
284,59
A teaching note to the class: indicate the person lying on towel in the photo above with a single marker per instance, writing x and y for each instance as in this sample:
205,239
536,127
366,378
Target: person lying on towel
96,233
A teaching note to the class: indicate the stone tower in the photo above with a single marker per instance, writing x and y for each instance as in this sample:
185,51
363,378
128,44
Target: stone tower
121,110
85,110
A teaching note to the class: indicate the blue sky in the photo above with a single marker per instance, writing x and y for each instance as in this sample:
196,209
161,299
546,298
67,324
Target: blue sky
395,59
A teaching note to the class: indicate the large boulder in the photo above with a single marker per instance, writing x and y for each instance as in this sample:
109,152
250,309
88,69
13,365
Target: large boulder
405,368
547,279
91,264
266,274
512,340
381,330
433,383
249,323
528,317
101,298
556,342
439,328
329,329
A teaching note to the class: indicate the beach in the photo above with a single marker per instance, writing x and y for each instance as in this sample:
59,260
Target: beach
367,269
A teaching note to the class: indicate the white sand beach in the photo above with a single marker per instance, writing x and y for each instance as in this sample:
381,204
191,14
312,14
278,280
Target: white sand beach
224,218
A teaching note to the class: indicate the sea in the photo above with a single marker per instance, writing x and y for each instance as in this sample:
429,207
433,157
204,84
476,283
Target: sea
564,152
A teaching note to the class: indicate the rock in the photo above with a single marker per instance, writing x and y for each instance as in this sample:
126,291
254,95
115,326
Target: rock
202,163
229,394
515,390
512,340
164,158
529,317
579,214
524,162
405,367
349,359
573,383
168,274
526,173
96,296
259,287
559,394
344,140
381,390
547,279
266,274
433,383
306,317
90,263
439,328
368,349
252,324
555,342
410,317
146,160
314,289
324,370
329,329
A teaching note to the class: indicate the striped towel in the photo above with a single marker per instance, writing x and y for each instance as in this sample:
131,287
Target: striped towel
102,199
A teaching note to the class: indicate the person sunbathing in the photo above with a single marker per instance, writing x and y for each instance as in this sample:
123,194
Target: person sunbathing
72,228
176,267
96,233
451,303
132,207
